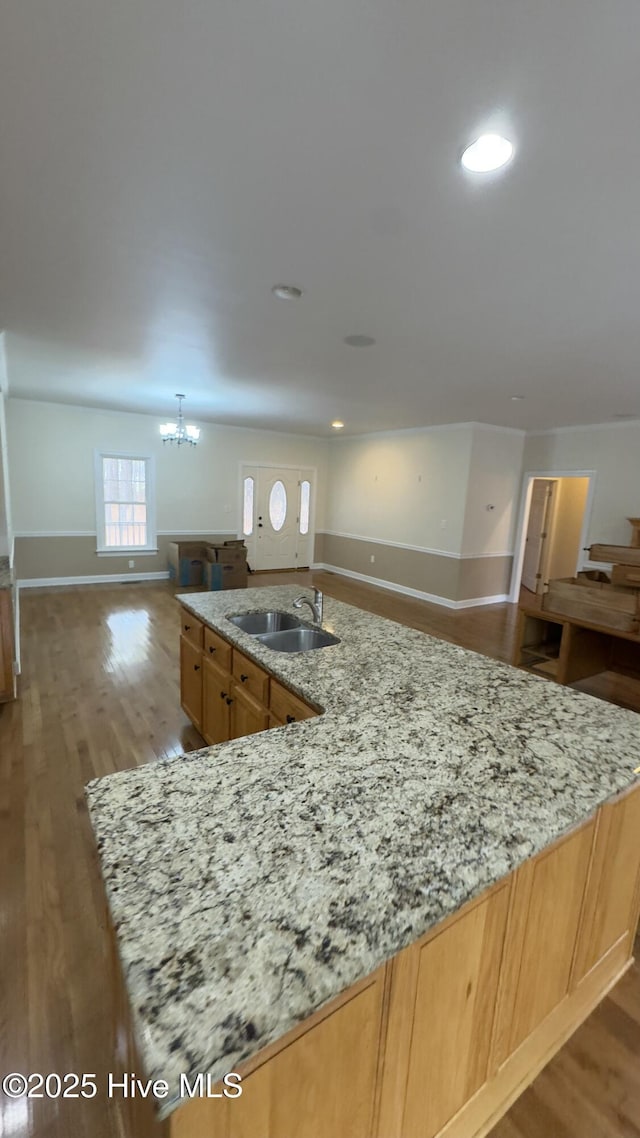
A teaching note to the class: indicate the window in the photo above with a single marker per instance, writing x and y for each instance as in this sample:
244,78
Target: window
247,509
305,500
277,505
124,503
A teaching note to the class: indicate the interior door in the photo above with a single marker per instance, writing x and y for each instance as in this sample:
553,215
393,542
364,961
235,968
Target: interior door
537,532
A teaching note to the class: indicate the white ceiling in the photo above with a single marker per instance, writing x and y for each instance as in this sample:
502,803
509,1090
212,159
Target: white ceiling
163,164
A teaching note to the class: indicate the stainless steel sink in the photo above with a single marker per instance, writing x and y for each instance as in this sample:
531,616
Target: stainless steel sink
256,623
298,639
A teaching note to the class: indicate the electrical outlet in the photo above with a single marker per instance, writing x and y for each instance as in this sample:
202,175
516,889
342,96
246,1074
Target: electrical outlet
131,564
373,558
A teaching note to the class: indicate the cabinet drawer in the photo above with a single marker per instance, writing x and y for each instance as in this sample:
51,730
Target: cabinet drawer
217,649
251,677
191,628
286,706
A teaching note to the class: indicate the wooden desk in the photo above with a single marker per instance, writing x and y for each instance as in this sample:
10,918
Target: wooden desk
570,651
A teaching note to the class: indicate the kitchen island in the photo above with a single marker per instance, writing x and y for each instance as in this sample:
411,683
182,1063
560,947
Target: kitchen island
387,917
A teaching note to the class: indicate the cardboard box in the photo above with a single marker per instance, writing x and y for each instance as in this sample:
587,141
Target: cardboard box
224,575
228,553
185,561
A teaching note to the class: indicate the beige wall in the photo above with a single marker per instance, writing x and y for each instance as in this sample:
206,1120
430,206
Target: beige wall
40,558
451,579
566,527
51,458
495,474
613,451
410,508
408,487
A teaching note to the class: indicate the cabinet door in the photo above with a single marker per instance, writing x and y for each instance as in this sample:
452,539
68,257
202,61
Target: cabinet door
191,681
216,703
441,1016
547,899
323,1084
247,715
611,900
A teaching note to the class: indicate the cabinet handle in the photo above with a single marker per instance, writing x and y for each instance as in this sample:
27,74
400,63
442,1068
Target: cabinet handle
187,628
223,695
229,701
196,667
291,718
211,649
243,678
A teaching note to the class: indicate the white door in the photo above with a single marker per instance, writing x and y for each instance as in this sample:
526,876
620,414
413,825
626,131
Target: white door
277,516
537,532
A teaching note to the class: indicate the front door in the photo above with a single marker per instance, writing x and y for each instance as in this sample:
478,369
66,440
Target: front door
276,516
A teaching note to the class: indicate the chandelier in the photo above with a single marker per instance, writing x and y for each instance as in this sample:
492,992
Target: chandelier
179,432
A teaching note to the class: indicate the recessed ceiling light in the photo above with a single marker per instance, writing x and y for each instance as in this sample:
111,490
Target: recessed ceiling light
517,398
337,424
489,152
359,341
287,292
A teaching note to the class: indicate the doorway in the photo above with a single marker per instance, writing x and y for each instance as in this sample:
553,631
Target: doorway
277,507
553,527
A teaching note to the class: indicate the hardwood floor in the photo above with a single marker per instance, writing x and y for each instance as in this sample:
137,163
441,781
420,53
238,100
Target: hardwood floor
99,693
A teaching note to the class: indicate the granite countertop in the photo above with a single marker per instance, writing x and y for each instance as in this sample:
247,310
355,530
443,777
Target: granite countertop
6,574
251,882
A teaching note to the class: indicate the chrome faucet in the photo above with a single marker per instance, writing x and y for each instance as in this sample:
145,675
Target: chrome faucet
315,605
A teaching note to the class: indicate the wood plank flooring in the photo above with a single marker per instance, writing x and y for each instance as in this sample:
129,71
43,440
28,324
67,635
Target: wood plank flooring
99,693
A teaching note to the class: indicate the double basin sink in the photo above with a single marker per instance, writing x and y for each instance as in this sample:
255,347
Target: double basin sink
283,632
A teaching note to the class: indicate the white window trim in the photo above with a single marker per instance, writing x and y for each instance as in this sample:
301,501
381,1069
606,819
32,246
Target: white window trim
150,481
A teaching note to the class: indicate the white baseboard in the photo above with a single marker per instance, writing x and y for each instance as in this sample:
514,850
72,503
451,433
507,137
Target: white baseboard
94,579
476,602
393,587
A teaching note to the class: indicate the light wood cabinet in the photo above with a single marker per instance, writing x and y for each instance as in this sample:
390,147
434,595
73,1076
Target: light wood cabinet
320,1084
287,707
442,1008
251,677
216,703
248,715
191,628
612,898
217,649
444,1037
543,926
191,681
225,694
